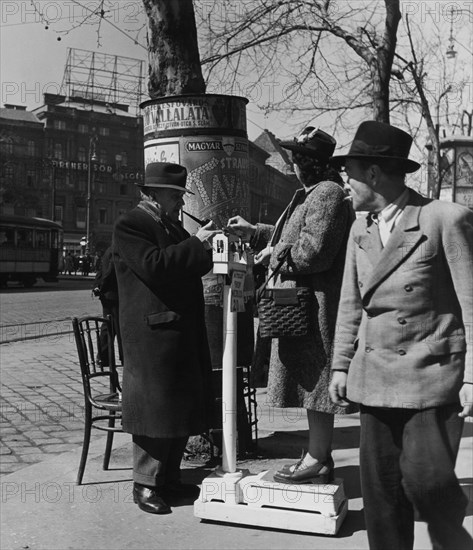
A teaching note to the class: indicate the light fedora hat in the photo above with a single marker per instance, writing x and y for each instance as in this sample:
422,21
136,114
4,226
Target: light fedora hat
167,175
379,141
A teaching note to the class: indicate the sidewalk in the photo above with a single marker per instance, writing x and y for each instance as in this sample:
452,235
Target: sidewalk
42,508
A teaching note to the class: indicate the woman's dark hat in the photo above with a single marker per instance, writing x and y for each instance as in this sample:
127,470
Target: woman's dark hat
379,141
167,175
313,143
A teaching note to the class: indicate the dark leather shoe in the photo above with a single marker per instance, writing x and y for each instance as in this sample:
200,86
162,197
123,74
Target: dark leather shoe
149,500
321,472
183,490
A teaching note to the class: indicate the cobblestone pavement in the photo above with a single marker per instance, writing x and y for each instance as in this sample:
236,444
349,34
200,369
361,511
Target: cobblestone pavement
42,402
41,410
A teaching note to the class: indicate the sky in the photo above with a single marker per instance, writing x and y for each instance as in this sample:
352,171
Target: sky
32,59
35,37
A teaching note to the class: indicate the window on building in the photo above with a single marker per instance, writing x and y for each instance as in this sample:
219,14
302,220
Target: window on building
102,188
80,217
124,158
124,134
7,147
31,149
82,183
59,213
30,178
59,124
123,189
83,128
103,215
81,154
58,154
104,131
103,156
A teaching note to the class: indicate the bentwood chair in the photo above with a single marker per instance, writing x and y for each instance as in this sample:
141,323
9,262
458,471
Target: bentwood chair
102,390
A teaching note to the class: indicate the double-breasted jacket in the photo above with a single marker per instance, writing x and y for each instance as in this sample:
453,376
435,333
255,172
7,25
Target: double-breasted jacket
404,324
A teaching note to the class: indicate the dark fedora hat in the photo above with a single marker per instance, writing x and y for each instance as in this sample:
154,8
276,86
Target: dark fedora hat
379,141
167,175
312,142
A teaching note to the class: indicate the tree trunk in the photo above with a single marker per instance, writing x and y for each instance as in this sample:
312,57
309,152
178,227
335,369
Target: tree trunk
381,64
173,52
380,91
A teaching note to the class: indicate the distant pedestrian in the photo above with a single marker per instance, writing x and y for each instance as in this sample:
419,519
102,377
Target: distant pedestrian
68,264
106,289
97,261
76,259
86,260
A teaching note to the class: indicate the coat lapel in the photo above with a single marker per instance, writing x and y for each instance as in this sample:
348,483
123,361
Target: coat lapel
402,242
370,241
282,219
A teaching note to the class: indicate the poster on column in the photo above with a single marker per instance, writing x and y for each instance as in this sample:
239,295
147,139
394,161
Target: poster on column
162,150
218,175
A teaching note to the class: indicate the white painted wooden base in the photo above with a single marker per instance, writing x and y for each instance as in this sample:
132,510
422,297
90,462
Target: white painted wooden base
258,500
274,518
260,490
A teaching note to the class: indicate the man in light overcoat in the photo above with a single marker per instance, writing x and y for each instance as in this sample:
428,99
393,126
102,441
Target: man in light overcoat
403,344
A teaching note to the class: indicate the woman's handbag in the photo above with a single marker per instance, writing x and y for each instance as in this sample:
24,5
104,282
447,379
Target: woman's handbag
283,312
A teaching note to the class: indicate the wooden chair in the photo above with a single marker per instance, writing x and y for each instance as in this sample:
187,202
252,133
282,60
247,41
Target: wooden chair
102,390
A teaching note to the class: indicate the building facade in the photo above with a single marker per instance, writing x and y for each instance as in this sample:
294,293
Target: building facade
76,161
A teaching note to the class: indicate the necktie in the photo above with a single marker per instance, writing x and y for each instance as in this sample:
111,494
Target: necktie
375,230
384,232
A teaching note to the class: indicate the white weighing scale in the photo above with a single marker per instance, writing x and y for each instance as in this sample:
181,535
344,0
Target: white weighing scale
236,496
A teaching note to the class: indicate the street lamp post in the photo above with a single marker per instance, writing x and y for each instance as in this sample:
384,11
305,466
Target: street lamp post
92,158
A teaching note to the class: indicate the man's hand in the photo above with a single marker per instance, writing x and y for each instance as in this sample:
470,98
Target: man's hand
338,388
206,233
466,400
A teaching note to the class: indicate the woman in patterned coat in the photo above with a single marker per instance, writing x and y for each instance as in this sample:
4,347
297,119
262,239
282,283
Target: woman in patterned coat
314,227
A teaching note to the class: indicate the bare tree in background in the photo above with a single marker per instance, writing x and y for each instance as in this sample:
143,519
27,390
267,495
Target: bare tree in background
290,39
431,89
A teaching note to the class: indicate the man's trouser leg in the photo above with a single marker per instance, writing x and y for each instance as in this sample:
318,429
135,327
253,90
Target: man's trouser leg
408,460
389,515
156,461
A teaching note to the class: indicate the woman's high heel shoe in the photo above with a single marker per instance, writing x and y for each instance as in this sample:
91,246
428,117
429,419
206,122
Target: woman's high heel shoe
320,472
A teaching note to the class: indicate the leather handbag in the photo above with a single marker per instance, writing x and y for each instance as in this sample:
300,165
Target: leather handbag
283,312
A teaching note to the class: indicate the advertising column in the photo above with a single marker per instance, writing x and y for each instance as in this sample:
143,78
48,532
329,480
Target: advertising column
206,134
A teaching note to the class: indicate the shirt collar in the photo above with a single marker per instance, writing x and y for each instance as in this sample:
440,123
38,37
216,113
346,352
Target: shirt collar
389,212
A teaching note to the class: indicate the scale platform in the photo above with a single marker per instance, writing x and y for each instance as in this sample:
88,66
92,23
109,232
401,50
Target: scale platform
259,501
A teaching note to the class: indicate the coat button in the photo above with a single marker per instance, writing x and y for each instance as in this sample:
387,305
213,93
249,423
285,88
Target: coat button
401,351
408,288
368,349
401,320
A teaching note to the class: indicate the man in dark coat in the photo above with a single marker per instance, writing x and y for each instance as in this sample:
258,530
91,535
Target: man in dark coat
167,375
106,289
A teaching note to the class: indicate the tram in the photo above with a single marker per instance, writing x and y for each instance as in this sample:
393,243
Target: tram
29,248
